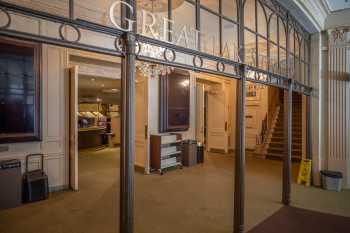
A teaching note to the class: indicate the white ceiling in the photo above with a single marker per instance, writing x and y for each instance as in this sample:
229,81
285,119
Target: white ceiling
337,5
93,88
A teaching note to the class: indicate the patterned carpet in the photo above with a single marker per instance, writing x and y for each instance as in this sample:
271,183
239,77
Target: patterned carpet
292,220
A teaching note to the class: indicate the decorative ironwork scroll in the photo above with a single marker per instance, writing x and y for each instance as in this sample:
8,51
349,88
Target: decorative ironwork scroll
46,28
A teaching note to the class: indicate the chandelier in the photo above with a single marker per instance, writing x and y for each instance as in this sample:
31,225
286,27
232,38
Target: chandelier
153,70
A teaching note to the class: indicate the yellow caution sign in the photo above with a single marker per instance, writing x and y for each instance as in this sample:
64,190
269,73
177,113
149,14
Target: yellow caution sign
305,172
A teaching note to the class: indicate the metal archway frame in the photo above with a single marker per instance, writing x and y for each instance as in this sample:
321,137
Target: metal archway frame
124,45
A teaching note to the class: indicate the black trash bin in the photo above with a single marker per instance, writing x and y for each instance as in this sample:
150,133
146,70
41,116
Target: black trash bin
200,153
189,153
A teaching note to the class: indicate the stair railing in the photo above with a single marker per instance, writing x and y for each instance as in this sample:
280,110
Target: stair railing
261,138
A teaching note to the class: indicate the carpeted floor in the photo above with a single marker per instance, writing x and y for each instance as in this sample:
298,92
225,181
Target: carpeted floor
193,200
292,220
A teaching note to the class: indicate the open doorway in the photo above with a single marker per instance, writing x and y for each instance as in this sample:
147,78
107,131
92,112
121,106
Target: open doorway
94,109
215,114
265,123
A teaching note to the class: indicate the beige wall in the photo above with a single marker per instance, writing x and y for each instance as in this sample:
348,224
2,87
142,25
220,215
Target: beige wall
53,145
256,110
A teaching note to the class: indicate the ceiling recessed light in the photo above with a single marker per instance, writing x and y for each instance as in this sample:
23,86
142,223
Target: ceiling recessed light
92,80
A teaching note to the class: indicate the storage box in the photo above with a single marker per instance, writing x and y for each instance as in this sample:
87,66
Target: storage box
189,154
10,184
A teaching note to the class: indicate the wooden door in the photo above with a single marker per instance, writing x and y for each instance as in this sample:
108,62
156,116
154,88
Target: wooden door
141,120
217,119
73,126
200,108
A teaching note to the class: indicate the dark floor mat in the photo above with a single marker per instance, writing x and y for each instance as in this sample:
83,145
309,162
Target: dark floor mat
295,220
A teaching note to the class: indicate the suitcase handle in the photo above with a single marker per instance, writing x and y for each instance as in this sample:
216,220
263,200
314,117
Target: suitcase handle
35,155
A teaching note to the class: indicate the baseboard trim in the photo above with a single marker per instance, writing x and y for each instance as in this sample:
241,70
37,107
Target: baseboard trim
139,169
58,188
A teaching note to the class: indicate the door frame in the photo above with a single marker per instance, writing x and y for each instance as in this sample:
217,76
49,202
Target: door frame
73,177
73,128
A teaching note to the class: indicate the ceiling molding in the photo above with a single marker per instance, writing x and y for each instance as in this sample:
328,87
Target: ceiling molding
315,10
330,11
338,19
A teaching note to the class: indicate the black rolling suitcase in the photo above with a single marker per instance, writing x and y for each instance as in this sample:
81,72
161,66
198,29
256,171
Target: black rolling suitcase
35,183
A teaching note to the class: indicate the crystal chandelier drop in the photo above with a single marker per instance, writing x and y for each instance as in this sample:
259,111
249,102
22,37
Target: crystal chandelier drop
153,70
150,69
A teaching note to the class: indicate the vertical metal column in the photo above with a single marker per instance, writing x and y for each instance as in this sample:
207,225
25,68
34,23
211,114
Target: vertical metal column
287,126
309,107
287,158
127,149
240,133
309,127
71,9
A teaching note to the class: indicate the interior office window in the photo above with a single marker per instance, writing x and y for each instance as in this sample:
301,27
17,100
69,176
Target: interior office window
249,14
55,7
210,33
297,69
19,91
291,41
306,51
282,34
291,67
302,50
302,72
283,61
273,58
184,16
306,74
229,40
250,48
262,53
229,9
88,10
262,20
297,45
273,28
211,4
159,10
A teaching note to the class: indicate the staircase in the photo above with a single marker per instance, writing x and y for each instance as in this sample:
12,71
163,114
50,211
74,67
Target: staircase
276,146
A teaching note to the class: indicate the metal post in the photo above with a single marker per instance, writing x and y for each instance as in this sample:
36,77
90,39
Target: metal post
71,9
309,106
127,149
287,158
238,226
309,127
240,157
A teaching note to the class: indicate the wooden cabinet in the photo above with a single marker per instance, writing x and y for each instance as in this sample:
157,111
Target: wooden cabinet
166,151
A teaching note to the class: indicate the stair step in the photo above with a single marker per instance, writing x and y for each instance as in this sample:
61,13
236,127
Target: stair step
281,134
274,156
281,150
281,131
281,139
281,145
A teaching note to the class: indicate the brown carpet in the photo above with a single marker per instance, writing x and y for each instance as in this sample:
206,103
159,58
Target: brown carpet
295,220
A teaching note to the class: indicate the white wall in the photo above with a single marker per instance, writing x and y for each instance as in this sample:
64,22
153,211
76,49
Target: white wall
53,145
256,111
